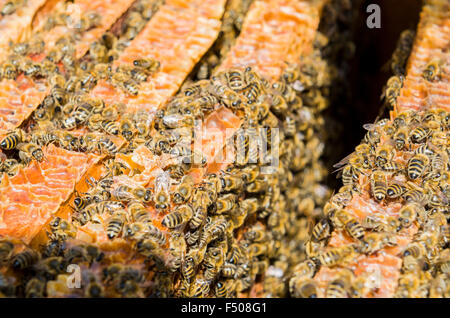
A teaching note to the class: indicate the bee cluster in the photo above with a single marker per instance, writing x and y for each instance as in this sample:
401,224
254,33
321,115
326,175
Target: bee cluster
69,106
219,236
401,163
237,227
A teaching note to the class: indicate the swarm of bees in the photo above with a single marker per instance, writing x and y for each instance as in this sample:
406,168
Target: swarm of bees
403,160
189,244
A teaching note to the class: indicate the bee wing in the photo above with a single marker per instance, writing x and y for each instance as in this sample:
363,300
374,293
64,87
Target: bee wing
344,161
369,127
163,181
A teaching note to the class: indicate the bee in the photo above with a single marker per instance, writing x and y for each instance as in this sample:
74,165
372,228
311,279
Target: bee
303,287
199,288
285,90
384,154
116,223
86,215
279,105
402,52
432,71
136,231
62,228
415,249
224,288
6,250
235,79
30,68
10,7
395,190
29,151
9,71
373,242
392,90
147,247
340,287
35,288
25,259
408,214
139,213
181,215
51,266
213,262
378,184
400,138
108,145
225,203
197,88
94,290
417,165
162,196
192,237
419,134
415,194
337,255
147,64
12,139
188,268
256,234
184,189
321,231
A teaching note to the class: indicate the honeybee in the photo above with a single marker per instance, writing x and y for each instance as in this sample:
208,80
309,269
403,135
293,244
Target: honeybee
392,90
432,70
373,242
213,262
307,268
9,71
343,219
106,144
337,255
378,183
192,237
62,228
188,267
197,88
184,190
224,288
340,287
12,139
6,250
181,215
139,213
94,290
225,203
162,196
137,231
303,287
29,151
212,231
35,288
417,166
11,6
147,64
199,288
234,79
321,231
419,134
25,259
116,223
177,249
408,214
